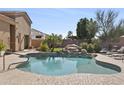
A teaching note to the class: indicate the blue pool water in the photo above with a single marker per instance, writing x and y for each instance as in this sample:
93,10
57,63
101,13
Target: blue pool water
56,66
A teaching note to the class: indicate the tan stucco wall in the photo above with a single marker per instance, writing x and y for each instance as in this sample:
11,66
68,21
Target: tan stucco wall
35,43
24,28
5,33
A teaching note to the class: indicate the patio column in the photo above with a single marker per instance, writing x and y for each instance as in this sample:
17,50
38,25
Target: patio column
12,38
4,62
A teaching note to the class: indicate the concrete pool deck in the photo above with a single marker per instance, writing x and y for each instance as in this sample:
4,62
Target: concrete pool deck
18,77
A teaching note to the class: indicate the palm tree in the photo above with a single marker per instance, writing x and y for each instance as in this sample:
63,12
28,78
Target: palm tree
53,40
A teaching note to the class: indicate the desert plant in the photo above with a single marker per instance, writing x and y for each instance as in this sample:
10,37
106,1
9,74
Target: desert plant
90,48
2,46
57,49
44,47
84,45
97,47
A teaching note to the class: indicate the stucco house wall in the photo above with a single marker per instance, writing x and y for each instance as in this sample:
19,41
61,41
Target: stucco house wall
5,33
15,30
23,28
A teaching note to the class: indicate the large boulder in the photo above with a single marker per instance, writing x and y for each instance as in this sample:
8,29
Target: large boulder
83,51
73,49
121,50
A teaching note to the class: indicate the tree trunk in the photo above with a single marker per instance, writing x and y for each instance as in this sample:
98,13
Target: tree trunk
52,49
107,44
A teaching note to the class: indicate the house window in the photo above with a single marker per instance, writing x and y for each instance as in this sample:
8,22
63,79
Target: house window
38,36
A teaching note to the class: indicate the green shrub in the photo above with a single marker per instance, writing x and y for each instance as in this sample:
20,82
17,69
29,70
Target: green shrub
90,48
2,46
44,47
57,49
97,44
84,45
97,47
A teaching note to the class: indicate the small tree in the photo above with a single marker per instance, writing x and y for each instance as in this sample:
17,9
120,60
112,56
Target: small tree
53,40
117,31
105,22
86,29
70,34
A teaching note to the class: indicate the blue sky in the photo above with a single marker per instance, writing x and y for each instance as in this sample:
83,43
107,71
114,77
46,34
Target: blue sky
59,20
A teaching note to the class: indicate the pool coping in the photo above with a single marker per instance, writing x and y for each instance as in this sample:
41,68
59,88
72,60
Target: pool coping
109,60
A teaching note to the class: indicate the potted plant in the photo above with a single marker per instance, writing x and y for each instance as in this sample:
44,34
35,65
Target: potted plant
2,48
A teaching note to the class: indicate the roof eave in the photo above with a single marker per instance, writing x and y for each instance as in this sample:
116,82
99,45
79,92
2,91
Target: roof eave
7,19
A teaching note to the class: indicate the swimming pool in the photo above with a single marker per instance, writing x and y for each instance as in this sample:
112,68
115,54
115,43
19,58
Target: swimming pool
57,66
